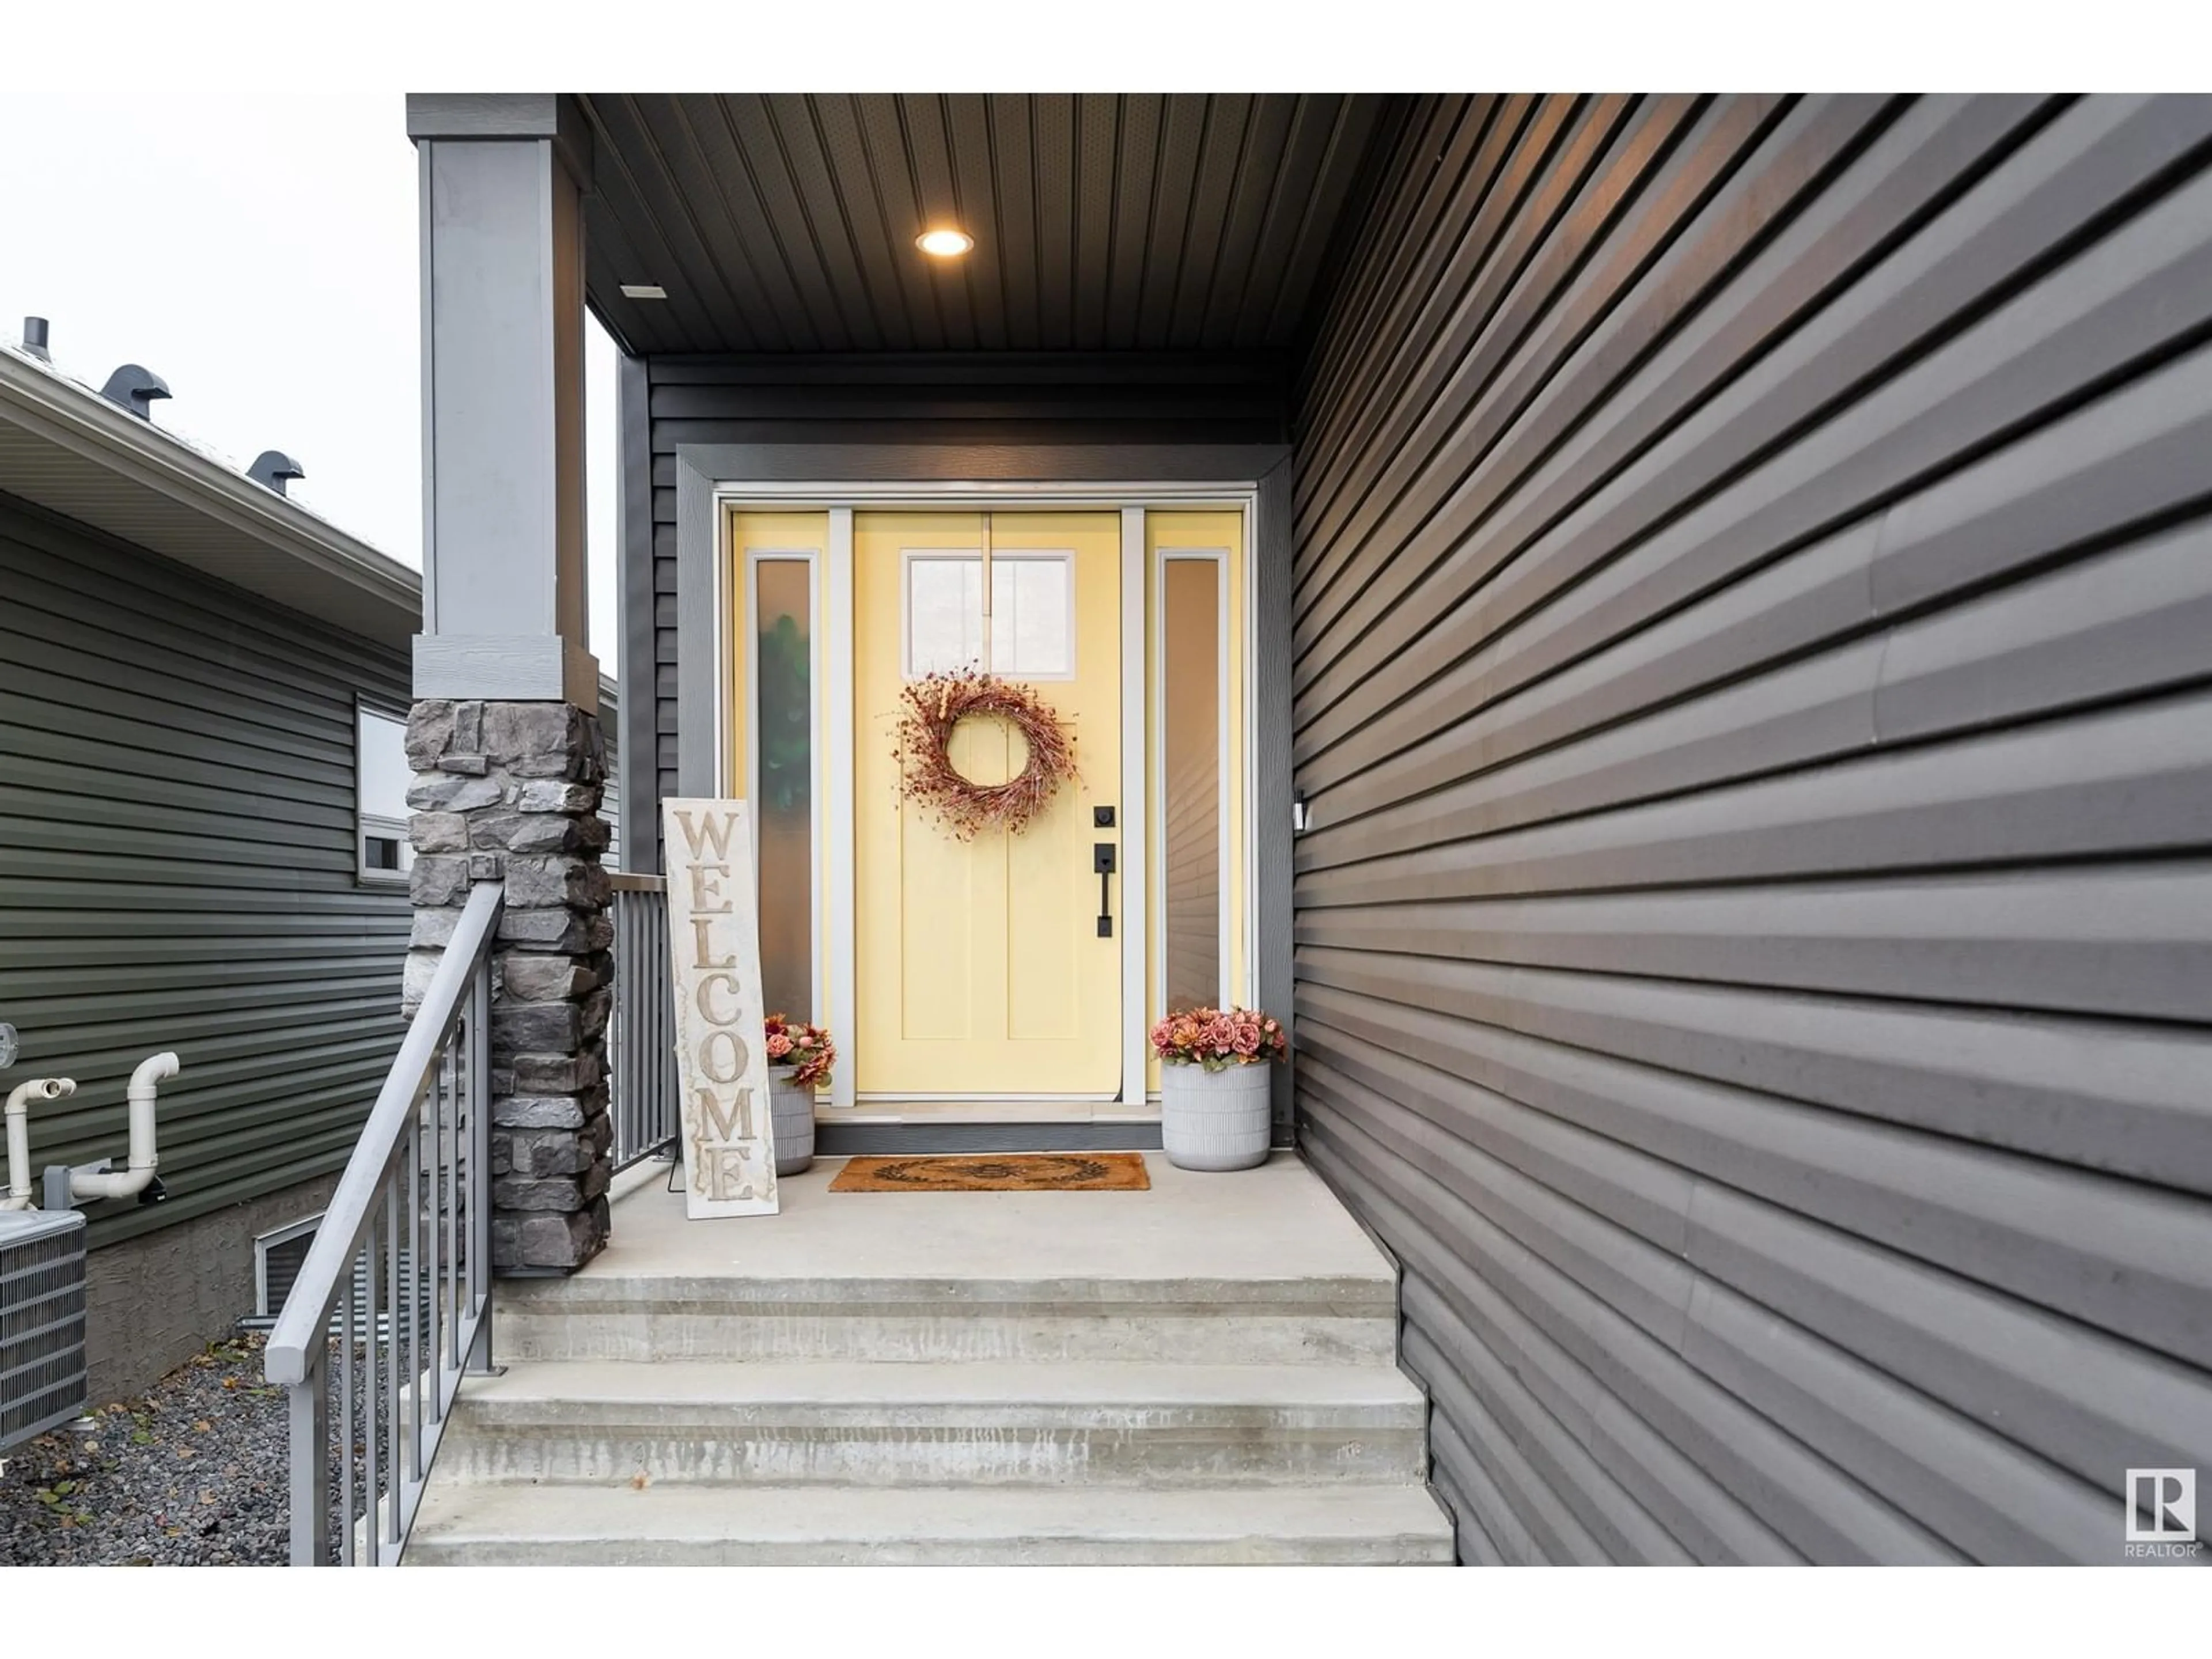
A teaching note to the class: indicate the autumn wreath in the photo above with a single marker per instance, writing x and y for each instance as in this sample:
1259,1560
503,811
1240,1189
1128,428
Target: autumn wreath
932,707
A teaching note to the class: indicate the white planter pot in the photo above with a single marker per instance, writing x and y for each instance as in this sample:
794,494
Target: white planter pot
791,1109
1214,1120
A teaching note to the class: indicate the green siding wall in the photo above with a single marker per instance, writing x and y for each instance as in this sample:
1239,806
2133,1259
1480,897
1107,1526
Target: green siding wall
177,868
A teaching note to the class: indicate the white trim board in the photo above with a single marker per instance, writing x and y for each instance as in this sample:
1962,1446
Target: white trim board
1134,820
839,975
924,494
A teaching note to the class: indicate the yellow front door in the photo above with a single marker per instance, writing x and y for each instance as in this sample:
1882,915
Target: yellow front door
981,968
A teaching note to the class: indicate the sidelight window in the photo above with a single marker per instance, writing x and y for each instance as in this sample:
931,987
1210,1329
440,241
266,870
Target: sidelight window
1194,671
783,748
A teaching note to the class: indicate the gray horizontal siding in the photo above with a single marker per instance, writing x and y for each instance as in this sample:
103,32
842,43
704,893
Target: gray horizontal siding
983,400
176,869
1752,687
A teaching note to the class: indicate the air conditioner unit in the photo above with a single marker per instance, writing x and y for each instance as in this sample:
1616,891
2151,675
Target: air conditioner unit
42,1358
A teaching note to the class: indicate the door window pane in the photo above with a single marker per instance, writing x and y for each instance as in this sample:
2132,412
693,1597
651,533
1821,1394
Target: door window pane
783,752
1031,626
943,614
1190,713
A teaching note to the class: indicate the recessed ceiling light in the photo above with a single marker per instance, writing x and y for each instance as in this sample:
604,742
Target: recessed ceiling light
643,291
944,243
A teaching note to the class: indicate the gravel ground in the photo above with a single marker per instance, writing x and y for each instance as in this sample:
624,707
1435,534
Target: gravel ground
193,1475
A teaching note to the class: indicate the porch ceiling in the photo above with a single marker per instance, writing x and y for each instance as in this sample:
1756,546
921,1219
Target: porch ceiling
1136,221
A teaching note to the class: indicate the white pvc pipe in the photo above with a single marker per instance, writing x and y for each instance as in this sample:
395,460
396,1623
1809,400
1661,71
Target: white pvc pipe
19,1135
152,1072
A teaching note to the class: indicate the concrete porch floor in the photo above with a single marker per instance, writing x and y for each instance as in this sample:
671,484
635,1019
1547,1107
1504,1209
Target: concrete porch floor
1275,1222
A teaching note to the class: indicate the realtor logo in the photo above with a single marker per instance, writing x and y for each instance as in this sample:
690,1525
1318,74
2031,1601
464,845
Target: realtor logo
2161,1512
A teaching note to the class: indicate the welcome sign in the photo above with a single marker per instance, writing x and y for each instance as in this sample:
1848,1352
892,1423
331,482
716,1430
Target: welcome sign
714,934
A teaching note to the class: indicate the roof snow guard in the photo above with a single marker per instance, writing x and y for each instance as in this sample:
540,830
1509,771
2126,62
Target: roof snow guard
98,457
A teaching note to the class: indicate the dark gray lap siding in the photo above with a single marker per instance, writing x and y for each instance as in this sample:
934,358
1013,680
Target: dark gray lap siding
1753,690
176,869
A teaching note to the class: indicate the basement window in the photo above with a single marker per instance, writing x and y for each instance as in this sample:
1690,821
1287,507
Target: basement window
278,1258
381,779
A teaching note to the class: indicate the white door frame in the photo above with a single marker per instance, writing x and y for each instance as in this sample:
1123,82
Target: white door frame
837,978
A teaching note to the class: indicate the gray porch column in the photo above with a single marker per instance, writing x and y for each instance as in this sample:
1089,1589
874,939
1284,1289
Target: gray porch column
505,740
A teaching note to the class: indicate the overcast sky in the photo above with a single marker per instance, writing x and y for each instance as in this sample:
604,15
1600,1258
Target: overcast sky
257,252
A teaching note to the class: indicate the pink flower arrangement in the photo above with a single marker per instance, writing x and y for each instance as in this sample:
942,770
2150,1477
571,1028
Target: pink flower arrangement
806,1049
1215,1037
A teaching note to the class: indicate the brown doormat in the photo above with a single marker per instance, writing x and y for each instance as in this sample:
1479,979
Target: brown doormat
997,1172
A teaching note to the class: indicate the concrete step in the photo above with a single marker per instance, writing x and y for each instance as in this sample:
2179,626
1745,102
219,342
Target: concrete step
1349,1319
947,1525
924,1423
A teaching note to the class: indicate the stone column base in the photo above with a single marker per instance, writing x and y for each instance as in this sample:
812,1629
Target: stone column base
509,792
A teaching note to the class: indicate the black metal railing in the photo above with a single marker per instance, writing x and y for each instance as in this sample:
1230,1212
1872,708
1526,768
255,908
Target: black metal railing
642,1028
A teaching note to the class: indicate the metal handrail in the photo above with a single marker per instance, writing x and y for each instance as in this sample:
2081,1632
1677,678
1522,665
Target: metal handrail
397,1287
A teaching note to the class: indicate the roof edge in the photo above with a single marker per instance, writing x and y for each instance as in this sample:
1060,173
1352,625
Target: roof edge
65,412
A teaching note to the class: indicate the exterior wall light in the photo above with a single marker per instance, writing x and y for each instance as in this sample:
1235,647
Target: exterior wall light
643,291
944,243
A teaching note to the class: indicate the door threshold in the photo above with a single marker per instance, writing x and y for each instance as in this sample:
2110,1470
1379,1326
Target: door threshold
890,1112
843,1137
